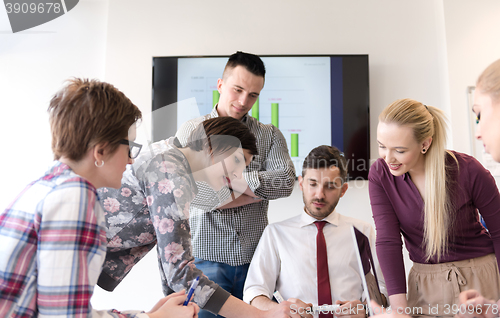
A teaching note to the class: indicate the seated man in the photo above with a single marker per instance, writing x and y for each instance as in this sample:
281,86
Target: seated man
294,253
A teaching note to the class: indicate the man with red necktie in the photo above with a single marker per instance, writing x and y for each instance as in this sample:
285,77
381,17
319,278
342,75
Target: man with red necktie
311,258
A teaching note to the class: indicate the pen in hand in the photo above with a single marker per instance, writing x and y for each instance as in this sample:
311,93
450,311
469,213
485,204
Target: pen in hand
191,290
278,297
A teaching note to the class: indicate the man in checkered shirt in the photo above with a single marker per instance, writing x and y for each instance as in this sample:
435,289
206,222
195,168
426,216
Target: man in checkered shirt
224,240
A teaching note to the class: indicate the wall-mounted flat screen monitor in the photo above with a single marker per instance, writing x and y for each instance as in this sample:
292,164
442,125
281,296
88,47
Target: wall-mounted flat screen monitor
314,100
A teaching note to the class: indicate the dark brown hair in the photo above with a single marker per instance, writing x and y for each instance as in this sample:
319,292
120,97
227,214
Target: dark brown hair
250,62
326,157
85,113
220,134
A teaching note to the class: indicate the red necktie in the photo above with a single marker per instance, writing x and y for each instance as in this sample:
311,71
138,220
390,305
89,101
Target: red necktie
324,292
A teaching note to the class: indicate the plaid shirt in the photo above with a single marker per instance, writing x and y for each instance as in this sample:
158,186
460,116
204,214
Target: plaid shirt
231,235
52,246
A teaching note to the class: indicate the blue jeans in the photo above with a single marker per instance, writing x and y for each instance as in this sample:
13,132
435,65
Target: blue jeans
231,278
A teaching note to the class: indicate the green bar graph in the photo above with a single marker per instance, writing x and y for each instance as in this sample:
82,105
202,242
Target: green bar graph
215,98
295,145
255,109
275,110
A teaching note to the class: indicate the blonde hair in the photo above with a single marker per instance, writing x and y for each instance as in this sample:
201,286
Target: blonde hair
428,121
489,81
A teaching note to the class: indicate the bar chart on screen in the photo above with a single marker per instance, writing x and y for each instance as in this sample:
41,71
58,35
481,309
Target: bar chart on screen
295,98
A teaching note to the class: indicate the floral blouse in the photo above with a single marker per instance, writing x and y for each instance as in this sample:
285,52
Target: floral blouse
152,207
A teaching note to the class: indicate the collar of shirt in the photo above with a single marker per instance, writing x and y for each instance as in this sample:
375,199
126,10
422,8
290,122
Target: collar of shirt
56,169
215,114
306,219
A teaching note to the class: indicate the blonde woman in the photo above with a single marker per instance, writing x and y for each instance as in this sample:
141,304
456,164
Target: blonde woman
487,110
431,196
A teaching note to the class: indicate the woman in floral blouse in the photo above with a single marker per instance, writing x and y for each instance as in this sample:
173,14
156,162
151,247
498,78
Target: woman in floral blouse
152,207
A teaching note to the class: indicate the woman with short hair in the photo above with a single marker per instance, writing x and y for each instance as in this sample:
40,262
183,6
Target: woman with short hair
53,236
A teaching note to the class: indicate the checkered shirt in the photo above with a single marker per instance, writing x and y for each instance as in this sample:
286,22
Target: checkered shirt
231,235
52,246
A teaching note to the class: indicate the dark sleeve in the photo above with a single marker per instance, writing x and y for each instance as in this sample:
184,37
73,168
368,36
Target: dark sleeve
486,198
388,243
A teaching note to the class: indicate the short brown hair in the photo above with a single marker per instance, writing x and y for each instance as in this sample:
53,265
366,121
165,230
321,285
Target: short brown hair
326,157
250,62
85,113
212,135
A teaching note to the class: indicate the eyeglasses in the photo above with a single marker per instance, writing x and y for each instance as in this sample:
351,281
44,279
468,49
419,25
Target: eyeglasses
134,148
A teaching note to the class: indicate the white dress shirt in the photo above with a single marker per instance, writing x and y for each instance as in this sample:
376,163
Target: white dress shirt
285,260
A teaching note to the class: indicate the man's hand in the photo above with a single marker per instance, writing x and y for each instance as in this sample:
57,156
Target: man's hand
473,304
292,308
288,309
298,306
351,309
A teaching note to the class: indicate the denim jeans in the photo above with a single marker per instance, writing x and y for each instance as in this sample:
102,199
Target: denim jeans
231,278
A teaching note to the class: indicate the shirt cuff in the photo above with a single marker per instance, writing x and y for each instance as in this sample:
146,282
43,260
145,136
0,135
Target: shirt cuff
106,282
217,300
252,178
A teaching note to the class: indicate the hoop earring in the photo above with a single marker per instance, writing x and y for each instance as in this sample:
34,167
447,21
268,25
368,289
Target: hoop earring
99,166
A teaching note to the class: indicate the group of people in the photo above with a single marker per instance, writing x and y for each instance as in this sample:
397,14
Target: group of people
202,198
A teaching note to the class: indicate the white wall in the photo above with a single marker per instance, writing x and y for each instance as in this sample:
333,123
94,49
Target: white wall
33,66
404,39
472,34
405,42
418,49
472,39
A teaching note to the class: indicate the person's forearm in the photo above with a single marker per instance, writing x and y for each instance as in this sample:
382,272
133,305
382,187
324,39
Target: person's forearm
234,307
273,184
263,303
398,301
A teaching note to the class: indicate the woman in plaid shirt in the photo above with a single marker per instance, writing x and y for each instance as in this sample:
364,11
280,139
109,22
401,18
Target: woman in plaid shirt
52,237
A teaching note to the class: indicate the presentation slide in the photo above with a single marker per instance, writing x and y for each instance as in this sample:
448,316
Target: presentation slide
296,98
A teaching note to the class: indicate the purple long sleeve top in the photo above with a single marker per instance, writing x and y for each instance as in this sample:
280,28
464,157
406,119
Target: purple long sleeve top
397,209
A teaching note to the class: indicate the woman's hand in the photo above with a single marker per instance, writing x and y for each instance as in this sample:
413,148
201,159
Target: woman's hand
473,304
379,312
172,307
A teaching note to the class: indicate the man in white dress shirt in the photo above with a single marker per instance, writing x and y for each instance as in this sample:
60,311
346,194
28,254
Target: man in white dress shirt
285,259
